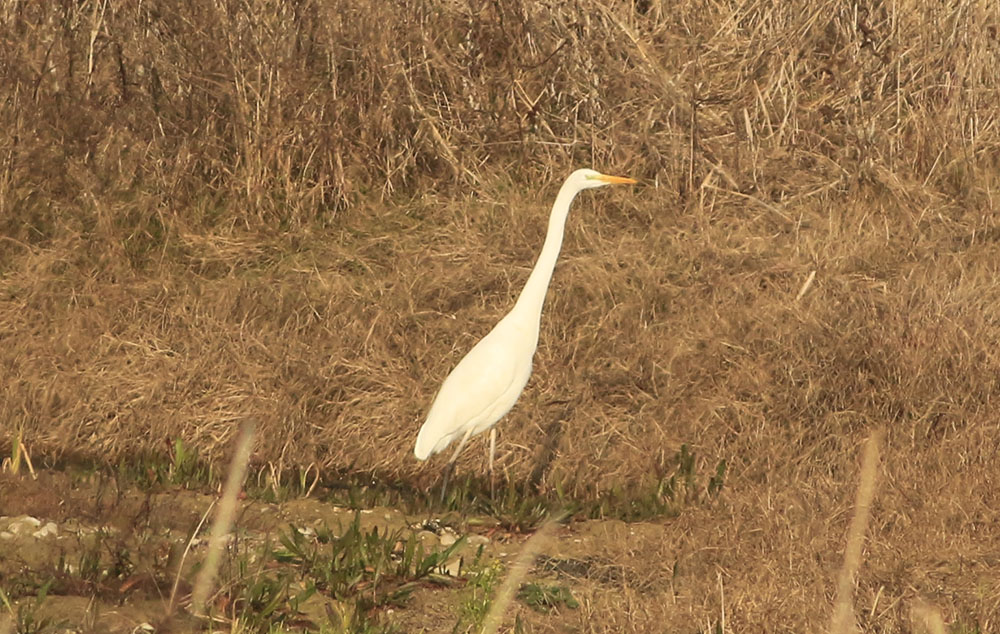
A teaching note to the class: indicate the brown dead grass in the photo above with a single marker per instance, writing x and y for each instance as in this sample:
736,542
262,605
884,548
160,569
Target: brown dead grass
307,215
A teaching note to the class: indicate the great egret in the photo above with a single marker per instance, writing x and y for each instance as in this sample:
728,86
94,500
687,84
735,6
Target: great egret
485,384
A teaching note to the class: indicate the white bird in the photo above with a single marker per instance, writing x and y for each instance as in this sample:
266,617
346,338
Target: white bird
485,384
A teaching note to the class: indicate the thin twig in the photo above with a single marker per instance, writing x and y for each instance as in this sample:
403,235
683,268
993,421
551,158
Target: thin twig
806,285
180,568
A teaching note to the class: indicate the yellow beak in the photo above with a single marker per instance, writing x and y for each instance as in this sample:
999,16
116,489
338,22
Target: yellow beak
616,180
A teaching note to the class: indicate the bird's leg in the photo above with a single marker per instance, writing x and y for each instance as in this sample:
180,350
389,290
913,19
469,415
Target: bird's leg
493,450
451,463
493,446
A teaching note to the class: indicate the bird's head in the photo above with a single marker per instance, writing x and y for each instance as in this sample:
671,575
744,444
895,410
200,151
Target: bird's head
588,179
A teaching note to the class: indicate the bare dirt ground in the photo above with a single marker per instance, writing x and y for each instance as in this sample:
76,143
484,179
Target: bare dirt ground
620,573
114,553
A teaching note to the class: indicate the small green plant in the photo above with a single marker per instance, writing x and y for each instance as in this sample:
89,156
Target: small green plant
15,453
515,505
716,481
151,471
358,570
342,566
185,468
269,599
543,598
479,593
25,617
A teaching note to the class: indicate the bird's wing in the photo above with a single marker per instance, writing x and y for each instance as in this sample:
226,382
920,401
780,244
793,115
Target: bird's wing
485,375
482,388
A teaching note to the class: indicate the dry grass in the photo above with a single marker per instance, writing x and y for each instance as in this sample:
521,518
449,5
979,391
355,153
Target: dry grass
236,209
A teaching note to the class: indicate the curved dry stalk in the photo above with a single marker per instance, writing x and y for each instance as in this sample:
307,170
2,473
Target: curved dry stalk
843,610
223,518
522,565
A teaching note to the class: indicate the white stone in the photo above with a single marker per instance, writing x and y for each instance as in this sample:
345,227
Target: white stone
45,531
24,522
453,567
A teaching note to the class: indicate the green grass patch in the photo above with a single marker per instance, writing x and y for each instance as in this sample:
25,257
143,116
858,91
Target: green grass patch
352,573
544,598
516,506
478,594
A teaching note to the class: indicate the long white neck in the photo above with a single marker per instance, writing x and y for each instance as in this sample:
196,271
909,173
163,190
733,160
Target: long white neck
529,304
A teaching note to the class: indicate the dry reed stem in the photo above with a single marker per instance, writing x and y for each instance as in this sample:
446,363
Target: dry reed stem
224,518
518,571
842,620
806,285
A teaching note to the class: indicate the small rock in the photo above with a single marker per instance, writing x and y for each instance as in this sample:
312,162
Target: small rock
427,538
453,567
307,531
428,525
23,523
45,531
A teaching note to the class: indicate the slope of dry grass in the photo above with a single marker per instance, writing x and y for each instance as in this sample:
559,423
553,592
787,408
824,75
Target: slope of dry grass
309,214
